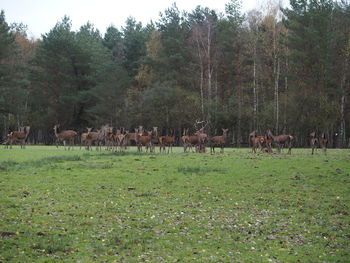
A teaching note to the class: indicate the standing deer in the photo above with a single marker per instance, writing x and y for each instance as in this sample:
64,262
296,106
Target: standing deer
7,141
268,143
218,141
83,141
202,137
254,141
119,138
94,138
185,139
167,141
258,142
107,136
281,140
313,142
131,137
324,142
144,140
154,139
65,136
19,136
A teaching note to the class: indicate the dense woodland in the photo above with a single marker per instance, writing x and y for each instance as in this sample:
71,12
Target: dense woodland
283,69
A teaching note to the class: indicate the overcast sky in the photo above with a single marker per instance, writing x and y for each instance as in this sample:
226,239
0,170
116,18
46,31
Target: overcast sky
41,15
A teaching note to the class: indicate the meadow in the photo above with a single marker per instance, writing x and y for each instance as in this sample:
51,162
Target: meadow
80,206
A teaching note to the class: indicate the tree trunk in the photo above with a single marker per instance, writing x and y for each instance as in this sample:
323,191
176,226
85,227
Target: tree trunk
239,97
201,77
254,92
277,75
342,133
285,99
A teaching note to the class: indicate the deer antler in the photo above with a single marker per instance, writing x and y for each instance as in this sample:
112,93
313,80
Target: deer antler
196,123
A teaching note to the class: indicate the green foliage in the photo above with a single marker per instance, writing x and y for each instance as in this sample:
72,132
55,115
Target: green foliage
246,72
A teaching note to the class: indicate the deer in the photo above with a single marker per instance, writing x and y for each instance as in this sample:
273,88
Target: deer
144,140
106,135
131,137
83,140
218,141
258,142
268,143
65,136
185,140
324,143
254,141
167,141
313,142
202,137
120,138
281,140
155,139
19,136
7,141
94,138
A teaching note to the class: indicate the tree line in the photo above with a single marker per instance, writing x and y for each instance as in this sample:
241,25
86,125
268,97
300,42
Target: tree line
286,69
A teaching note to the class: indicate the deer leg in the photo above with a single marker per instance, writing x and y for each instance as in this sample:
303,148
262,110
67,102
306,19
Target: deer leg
290,148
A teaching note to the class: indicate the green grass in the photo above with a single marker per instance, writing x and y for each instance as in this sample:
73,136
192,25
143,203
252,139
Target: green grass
79,206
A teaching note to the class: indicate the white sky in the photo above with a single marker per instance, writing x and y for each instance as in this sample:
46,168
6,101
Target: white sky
41,15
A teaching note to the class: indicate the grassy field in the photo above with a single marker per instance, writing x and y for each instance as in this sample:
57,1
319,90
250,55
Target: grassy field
79,206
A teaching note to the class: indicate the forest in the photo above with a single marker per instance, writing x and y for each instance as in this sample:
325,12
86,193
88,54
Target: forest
284,69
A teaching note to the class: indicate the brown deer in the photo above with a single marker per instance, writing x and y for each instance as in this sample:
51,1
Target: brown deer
199,139
324,143
281,140
218,141
155,139
313,142
94,138
83,141
254,141
167,141
258,142
185,139
268,144
144,140
7,141
19,136
131,137
203,137
65,136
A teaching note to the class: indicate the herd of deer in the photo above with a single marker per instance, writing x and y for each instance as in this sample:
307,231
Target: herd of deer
120,139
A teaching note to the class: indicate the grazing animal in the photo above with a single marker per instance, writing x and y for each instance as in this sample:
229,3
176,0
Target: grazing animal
268,143
65,136
144,140
167,141
324,142
218,141
313,142
131,137
94,138
281,140
119,138
154,139
190,141
83,140
254,141
7,141
257,142
19,136
202,140
185,139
